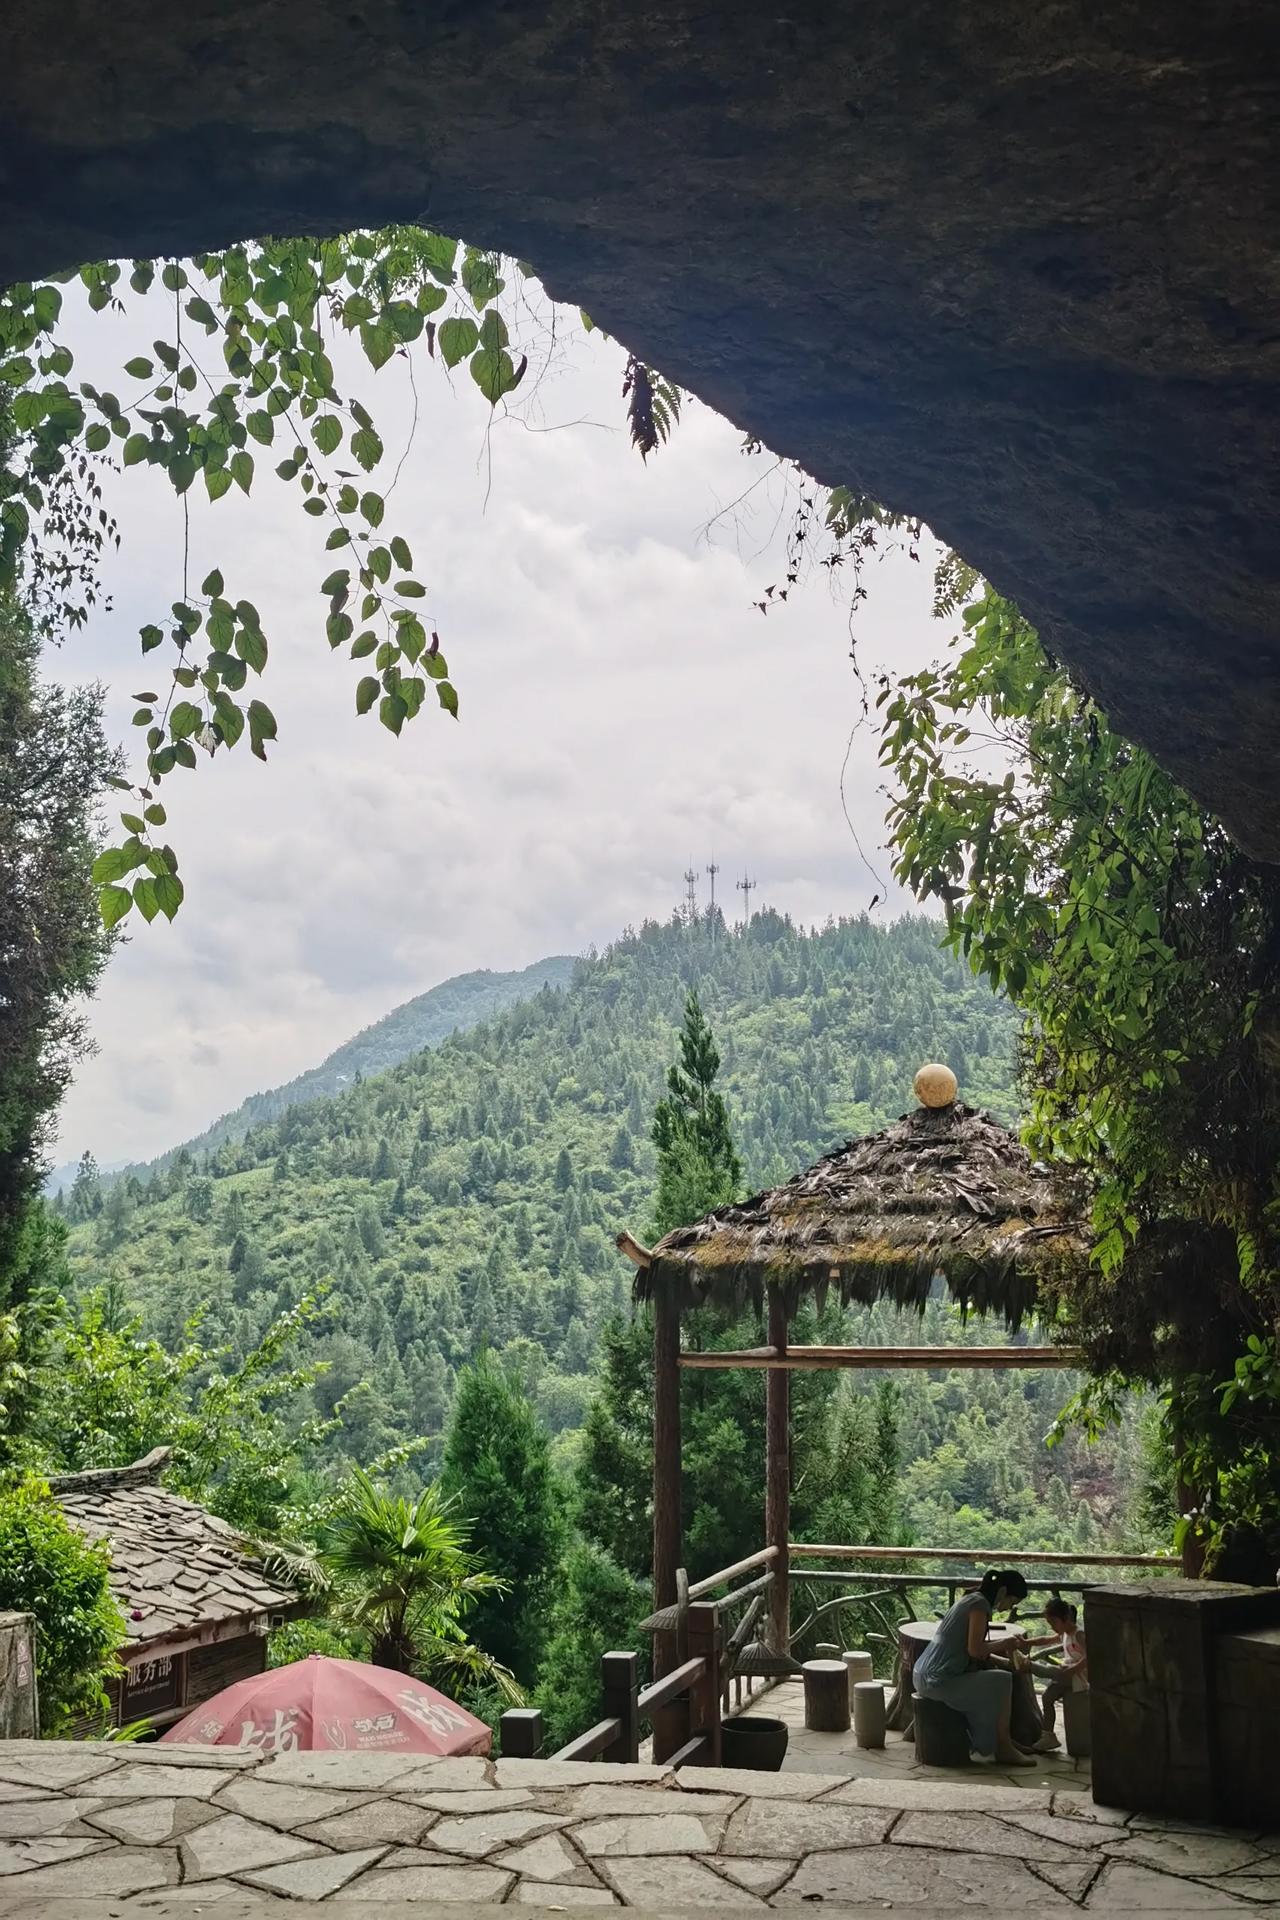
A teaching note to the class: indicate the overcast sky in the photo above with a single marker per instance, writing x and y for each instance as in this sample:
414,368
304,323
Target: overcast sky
625,712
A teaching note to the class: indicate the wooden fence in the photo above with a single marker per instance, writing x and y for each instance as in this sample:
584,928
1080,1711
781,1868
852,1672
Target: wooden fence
683,1708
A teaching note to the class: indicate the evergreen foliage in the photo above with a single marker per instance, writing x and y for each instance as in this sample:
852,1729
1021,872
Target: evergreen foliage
488,1252
698,1164
54,766
596,1607
497,1469
49,1570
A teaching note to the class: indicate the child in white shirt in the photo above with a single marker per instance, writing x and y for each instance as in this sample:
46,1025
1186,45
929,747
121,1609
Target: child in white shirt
1070,1674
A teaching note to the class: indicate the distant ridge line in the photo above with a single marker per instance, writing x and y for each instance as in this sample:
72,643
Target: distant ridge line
453,1006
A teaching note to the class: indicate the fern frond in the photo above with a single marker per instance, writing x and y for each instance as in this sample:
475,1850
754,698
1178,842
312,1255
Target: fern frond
653,406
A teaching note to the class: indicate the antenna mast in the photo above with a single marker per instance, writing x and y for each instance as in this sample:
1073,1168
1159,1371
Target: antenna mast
744,888
713,870
691,895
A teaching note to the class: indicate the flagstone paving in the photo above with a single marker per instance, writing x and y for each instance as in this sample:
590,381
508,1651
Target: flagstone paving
839,1753
92,1831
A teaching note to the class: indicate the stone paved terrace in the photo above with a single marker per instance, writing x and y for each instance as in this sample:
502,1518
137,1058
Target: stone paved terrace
105,1832
896,1760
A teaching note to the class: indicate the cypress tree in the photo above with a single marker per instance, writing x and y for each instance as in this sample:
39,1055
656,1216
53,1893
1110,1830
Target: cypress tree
698,1165
497,1464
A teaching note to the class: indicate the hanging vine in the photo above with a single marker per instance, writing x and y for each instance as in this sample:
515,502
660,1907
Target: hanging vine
243,373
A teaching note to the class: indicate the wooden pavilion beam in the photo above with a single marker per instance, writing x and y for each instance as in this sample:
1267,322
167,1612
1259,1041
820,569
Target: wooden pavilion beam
777,1485
666,1466
791,1359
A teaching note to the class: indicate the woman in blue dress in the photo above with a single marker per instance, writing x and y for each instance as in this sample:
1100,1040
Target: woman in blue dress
959,1668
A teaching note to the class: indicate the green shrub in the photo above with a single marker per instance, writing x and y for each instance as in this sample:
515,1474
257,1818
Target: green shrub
597,1607
49,1570
297,1638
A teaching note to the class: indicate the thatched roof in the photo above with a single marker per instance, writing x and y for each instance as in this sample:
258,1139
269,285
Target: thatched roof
944,1193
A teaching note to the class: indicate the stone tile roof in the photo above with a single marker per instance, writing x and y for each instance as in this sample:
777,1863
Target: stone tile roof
174,1567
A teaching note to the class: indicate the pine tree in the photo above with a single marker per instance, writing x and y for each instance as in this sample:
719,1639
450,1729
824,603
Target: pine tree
564,1171
86,1189
497,1464
597,1606
698,1165
233,1215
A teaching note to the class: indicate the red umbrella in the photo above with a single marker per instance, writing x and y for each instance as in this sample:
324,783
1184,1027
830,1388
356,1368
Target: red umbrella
319,1704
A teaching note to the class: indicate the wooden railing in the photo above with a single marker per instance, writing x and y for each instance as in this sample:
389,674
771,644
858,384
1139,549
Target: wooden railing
942,1571
998,1557
683,1707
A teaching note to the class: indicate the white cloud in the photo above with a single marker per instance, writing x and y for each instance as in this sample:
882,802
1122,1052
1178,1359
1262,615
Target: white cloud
625,710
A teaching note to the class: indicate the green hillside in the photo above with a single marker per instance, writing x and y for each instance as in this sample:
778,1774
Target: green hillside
454,1006
468,1197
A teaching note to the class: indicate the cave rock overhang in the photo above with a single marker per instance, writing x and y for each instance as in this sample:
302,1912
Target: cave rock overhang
1013,269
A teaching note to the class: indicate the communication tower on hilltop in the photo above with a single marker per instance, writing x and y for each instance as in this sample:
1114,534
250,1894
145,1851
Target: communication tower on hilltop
713,870
744,888
691,895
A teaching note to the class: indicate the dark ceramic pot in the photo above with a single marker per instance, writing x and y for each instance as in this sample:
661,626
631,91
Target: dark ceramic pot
753,1741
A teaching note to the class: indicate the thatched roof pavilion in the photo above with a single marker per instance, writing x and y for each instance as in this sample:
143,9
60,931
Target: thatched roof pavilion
945,1193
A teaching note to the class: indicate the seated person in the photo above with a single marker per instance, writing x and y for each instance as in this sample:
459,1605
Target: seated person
1070,1674
958,1667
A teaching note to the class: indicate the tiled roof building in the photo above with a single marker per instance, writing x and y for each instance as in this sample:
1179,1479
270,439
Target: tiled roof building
197,1604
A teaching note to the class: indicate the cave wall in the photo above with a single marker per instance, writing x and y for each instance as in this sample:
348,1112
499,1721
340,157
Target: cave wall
1013,268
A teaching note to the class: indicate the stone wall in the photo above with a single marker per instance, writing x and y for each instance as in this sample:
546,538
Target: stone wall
1013,268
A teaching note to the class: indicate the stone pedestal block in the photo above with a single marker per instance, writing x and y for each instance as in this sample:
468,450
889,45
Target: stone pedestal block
1077,1724
1153,1675
942,1734
1247,1724
18,1717
826,1696
868,1713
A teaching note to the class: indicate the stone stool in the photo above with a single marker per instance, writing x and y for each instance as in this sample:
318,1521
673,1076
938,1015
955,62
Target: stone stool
826,1696
942,1734
1076,1725
868,1713
860,1667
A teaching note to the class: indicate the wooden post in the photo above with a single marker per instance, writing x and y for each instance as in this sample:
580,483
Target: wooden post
520,1733
666,1465
620,1685
1193,1539
704,1695
777,1494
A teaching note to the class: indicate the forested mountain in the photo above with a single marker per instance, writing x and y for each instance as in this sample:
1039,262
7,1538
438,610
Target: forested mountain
467,1198
456,1005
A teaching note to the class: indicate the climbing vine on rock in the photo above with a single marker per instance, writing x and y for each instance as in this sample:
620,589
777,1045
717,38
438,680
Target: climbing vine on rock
1144,948
241,377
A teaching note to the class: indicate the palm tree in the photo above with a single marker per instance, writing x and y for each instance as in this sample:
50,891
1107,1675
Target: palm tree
402,1573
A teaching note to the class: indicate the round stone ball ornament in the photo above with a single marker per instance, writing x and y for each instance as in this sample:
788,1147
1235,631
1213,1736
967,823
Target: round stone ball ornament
935,1086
